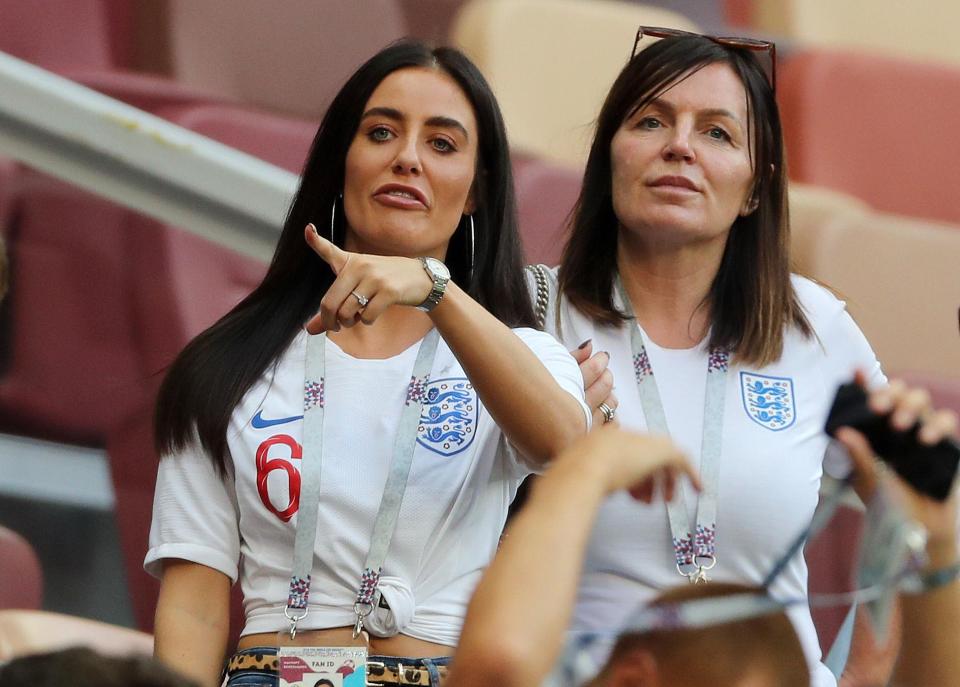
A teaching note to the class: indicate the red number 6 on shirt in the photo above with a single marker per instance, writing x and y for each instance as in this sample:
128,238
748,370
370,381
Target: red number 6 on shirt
266,465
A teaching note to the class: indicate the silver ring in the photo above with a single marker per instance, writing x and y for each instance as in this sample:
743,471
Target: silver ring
362,300
608,412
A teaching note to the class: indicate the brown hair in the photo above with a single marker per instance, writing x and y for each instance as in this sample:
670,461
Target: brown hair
720,654
83,667
752,299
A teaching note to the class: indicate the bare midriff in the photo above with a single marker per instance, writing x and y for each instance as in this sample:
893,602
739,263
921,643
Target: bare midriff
399,645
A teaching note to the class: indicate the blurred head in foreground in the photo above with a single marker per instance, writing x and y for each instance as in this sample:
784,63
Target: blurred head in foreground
762,651
82,667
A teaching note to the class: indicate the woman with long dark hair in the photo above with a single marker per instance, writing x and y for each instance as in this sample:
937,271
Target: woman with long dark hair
355,476
678,269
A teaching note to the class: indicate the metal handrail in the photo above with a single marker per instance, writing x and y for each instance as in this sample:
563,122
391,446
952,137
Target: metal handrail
141,161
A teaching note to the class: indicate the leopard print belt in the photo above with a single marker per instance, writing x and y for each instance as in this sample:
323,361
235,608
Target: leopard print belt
378,672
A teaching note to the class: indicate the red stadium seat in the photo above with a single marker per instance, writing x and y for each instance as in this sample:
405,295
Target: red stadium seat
303,56
546,194
875,127
71,367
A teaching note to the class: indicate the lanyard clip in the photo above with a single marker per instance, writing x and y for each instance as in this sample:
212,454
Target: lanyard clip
294,619
293,628
699,576
358,627
362,610
695,570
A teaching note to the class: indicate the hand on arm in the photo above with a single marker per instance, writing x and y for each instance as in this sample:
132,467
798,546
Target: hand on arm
511,637
931,620
535,413
192,620
597,381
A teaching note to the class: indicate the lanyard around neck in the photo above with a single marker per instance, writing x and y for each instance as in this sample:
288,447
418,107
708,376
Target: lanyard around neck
310,470
695,550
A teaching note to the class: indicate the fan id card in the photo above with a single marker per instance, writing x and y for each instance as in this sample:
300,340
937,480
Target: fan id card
322,666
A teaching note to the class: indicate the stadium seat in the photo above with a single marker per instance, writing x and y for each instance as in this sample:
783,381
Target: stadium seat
709,15
925,30
88,41
103,298
899,278
304,52
21,577
878,128
546,194
58,34
70,362
430,20
551,63
810,208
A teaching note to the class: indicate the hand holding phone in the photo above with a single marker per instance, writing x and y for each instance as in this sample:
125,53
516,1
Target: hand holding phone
930,469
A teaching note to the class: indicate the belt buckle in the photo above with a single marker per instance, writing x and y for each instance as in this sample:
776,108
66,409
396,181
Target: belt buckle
383,666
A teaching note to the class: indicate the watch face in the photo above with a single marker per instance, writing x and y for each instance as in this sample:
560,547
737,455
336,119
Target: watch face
439,270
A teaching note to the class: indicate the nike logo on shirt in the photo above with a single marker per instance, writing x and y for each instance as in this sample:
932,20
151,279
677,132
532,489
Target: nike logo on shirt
259,422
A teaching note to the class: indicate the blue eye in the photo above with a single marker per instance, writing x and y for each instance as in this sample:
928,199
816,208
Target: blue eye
442,145
380,134
649,123
718,134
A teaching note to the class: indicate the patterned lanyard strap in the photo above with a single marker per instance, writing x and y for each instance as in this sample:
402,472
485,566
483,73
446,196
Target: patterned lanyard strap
310,468
695,550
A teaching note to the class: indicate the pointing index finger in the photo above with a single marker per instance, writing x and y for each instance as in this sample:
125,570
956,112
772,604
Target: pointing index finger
328,252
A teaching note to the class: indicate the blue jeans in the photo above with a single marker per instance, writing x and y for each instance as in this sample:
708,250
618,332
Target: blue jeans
267,677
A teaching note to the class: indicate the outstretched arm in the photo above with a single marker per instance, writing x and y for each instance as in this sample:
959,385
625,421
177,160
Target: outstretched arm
512,638
931,619
524,398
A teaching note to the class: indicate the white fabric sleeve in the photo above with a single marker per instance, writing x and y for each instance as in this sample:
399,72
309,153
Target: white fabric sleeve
564,370
195,515
847,351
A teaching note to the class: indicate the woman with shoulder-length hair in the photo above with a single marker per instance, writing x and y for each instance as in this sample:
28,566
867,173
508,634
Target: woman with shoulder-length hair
678,270
350,475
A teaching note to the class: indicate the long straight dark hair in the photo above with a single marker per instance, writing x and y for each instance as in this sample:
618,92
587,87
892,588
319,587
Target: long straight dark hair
216,369
751,299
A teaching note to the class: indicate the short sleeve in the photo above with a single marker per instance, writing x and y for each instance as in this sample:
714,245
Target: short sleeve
846,351
195,516
560,364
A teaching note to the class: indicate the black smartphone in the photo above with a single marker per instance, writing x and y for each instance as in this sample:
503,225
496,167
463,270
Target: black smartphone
928,469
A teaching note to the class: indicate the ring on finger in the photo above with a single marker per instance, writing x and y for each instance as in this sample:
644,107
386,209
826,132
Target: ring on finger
607,411
362,300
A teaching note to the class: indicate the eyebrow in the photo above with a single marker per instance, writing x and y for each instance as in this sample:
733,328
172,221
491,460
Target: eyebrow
710,112
436,121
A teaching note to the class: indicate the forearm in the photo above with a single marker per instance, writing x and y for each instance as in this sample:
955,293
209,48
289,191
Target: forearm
931,630
535,413
507,627
871,662
192,622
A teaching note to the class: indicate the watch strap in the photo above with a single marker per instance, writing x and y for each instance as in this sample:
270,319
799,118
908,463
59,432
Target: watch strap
436,292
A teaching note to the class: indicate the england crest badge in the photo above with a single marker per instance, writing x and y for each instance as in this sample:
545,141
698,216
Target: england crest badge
768,401
448,421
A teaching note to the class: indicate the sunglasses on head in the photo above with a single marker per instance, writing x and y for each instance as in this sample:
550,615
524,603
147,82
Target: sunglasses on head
765,49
